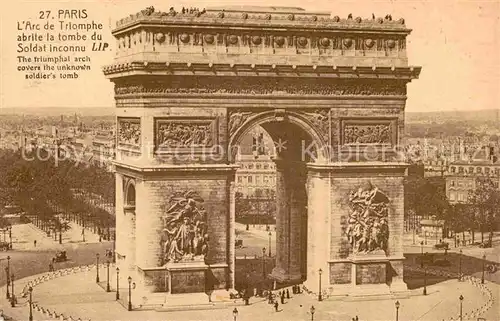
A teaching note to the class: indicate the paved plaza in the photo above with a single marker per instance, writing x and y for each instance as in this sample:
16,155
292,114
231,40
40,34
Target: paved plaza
76,295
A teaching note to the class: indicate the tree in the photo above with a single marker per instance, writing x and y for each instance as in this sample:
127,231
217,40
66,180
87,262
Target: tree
485,202
424,198
458,218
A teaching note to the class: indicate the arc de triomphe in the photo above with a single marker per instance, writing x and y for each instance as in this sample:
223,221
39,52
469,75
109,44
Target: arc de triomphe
331,93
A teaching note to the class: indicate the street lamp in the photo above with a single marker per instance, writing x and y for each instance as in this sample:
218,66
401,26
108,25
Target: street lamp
130,293
108,289
460,266
235,313
425,280
397,304
7,272
320,297
270,243
10,236
312,310
31,304
413,225
13,297
461,298
117,283
422,254
482,276
114,245
97,265
264,262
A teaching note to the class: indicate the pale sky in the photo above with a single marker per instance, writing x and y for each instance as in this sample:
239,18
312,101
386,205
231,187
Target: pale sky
457,43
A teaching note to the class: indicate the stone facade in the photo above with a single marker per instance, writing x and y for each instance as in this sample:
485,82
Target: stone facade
331,94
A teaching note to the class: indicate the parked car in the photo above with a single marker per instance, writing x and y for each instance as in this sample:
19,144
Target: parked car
60,256
485,245
4,246
442,246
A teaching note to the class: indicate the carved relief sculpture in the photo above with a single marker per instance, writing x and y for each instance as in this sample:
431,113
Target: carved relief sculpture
263,86
368,229
367,134
185,235
236,119
320,119
129,131
184,134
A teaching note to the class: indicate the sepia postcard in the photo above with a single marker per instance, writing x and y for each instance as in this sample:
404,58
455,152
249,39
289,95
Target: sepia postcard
252,160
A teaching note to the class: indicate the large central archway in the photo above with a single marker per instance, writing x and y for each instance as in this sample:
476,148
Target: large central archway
297,144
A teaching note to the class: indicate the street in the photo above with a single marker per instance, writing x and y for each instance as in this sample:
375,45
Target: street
26,259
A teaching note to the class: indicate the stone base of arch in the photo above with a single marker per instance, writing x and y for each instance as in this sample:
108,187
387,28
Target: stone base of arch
344,271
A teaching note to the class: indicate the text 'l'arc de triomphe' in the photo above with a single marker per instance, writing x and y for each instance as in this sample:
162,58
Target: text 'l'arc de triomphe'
331,93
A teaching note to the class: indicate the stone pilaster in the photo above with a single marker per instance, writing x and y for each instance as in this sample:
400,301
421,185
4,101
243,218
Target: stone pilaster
318,222
298,212
289,217
121,226
232,236
148,222
282,214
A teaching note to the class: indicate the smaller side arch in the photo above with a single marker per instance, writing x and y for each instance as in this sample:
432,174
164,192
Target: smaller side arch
129,193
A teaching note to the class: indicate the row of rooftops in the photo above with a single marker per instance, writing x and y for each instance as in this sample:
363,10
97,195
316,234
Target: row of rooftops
261,16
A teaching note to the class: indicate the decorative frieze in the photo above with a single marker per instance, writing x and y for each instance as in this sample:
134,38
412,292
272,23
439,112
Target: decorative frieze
206,39
263,86
185,133
129,132
367,228
367,132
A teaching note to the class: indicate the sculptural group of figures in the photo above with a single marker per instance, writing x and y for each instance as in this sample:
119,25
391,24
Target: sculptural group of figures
377,134
184,135
185,231
368,228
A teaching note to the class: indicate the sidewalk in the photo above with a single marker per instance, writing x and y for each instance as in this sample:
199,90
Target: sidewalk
24,235
74,234
259,231
86,300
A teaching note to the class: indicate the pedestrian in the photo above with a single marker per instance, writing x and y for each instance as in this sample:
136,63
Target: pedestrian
287,294
276,305
270,297
282,297
34,243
